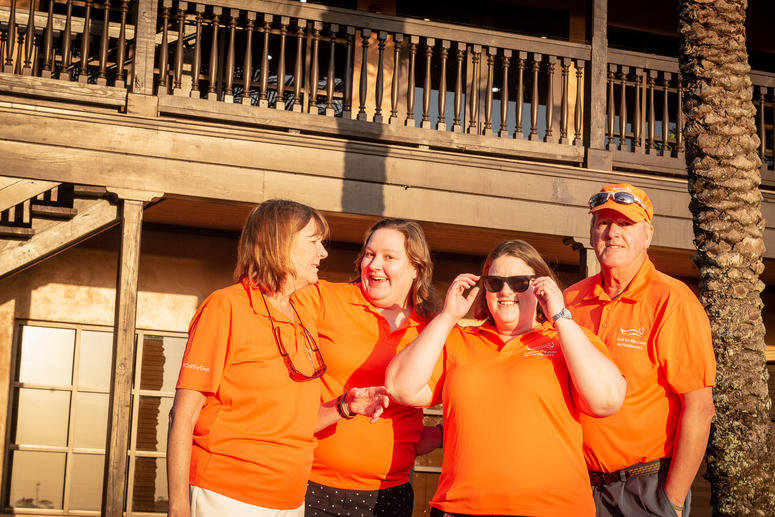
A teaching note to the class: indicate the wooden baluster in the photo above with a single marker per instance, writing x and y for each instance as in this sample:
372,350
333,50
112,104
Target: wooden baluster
263,102
380,87
459,55
11,38
330,78
564,101
29,40
772,142
762,130
101,75
312,95
3,41
228,94
212,76
363,84
83,76
519,100
177,83
578,115
679,124
473,110
549,136
441,124
426,89
625,70
121,48
164,49
652,144
397,40
637,118
348,73
504,130
247,65
67,38
534,98
297,74
280,103
196,66
413,41
48,38
488,93
666,76
611,110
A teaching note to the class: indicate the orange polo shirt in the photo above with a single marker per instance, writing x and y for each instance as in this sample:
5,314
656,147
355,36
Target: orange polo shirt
254,438
512,438
659,337
357,344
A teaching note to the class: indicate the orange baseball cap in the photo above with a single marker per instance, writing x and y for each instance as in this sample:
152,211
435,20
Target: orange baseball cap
631,202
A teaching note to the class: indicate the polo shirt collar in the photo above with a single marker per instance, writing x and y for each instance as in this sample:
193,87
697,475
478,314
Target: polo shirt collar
357,298
635,289
257,303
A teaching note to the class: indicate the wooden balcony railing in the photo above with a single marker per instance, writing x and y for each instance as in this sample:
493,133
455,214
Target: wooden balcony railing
292,65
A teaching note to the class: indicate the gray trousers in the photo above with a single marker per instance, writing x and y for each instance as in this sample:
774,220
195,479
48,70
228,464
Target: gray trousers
642,496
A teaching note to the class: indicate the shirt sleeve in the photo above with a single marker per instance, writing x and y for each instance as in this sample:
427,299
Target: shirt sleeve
209,338
685,347
436,382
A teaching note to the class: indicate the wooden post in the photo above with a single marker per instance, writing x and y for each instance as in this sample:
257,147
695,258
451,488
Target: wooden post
595,115
588,264
121,370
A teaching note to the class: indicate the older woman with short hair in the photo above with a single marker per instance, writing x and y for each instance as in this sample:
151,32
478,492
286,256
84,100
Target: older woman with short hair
248,396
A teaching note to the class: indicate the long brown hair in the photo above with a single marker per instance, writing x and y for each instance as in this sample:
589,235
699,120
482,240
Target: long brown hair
422,294
521,250
264,250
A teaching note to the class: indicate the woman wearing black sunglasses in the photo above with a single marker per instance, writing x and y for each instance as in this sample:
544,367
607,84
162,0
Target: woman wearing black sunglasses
512,389
248,395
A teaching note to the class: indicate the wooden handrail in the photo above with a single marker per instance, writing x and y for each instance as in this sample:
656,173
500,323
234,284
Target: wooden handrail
395,24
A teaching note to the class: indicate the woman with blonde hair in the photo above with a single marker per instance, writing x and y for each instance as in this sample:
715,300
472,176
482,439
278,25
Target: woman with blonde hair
362,469
248,396
512,390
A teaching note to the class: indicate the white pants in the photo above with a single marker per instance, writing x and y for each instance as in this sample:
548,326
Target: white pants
206,503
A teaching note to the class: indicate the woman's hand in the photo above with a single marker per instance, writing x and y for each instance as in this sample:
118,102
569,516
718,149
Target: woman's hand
457,304
549,295
370,402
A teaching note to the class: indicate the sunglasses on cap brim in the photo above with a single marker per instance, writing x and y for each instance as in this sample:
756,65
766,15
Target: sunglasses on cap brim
620,197
518,283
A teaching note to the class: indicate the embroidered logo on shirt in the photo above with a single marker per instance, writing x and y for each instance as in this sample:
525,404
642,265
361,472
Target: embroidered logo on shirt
199,367
549,349
631,338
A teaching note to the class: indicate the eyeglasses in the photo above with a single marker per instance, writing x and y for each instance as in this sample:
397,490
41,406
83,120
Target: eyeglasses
620,197
518,284
311,345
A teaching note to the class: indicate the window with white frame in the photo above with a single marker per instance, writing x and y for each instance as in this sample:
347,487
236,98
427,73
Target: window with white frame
57,423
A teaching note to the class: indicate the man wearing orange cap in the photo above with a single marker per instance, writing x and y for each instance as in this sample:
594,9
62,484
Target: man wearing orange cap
643,459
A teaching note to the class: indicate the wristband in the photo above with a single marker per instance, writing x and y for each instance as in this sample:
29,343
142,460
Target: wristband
676,507
343,408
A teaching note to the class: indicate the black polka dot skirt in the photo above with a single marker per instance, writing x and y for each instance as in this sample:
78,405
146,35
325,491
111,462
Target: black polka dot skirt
324,501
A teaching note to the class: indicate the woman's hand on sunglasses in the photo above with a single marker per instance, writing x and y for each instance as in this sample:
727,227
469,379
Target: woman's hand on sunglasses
457,302
548,294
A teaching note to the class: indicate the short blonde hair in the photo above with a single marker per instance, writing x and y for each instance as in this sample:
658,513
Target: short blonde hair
521,250
264,250
422,294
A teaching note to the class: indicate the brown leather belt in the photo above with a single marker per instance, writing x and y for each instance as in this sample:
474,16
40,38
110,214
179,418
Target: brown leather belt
634,471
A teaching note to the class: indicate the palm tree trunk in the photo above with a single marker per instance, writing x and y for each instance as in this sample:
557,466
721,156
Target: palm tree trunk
723,165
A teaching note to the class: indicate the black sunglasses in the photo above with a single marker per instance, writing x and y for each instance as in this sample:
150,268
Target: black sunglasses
620,197
311,345
518,284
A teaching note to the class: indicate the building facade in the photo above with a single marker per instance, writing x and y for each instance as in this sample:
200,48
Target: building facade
136,135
